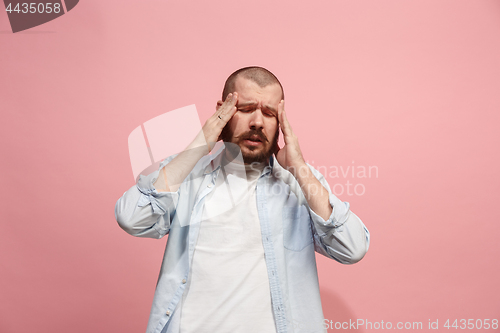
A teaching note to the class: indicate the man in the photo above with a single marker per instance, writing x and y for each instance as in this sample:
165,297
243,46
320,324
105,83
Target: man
243,221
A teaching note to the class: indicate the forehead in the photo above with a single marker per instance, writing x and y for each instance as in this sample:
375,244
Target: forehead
249,91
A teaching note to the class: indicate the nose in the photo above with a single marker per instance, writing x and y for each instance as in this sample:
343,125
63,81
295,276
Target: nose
257,119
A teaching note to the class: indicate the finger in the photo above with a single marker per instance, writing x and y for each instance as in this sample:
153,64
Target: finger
233,108
286,123
281,108
288,135
285,126
223,105
228,108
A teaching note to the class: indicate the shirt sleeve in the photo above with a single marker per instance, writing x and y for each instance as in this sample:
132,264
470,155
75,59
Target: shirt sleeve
343,237
144,212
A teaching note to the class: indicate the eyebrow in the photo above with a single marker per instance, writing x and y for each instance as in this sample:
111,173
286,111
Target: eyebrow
267,107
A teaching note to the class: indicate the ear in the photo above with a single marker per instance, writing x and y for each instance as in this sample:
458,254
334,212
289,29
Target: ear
219,104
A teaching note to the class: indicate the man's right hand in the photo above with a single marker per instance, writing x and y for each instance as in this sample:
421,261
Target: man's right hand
214,125
174,173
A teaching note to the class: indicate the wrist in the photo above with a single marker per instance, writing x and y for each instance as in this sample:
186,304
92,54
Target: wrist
300,170
201,143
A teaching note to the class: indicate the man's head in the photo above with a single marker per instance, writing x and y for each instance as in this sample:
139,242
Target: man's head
255,126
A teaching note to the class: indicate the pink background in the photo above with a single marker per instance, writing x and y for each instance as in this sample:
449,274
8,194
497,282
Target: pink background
411,87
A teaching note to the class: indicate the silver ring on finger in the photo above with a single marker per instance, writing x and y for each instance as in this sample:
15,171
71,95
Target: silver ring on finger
219,117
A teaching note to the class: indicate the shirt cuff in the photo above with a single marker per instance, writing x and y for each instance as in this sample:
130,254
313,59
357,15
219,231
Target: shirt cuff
339,215
160,202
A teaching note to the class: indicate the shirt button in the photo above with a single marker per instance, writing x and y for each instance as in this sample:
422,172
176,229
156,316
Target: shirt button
168,313
183,280
209,185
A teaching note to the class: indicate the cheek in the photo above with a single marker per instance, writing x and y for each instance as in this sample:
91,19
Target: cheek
272,129
235,124
240,120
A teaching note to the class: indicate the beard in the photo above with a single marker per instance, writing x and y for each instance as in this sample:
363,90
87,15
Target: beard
256,154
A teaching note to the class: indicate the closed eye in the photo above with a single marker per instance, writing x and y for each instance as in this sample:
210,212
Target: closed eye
267,113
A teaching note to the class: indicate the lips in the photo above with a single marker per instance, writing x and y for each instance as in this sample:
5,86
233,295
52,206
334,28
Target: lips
254,138
253,143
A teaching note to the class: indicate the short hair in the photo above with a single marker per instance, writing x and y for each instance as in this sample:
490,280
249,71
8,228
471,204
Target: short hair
259,75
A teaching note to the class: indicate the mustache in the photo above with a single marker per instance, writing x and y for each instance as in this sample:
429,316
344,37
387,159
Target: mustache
252,133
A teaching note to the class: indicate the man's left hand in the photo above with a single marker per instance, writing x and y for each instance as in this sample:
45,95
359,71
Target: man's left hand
290,156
